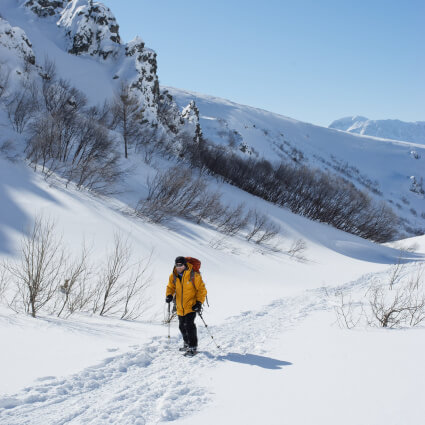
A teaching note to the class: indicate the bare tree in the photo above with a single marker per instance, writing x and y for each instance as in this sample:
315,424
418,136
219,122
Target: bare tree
38,271
110,286
128,116
297,249
346,311
233,220
262,229
21,106
75,292
136,286
121,286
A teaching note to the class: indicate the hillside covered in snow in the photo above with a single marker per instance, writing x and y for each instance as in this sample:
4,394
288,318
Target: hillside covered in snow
413,132
106,177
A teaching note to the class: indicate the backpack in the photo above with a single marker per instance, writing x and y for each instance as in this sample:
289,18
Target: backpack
196,264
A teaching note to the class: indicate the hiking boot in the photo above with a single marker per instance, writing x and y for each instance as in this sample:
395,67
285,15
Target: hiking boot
191,351
184,348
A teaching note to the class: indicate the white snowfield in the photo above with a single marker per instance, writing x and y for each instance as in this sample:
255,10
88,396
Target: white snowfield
283,359
284,363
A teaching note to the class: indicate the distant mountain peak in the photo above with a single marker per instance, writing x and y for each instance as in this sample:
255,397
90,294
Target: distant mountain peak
387,129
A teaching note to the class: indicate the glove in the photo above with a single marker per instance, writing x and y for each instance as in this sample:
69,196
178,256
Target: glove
168,298
197,307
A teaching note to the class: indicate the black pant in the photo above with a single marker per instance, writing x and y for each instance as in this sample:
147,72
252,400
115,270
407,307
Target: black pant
188,329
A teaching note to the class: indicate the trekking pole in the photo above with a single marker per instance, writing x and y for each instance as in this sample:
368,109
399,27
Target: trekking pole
200,315
169,320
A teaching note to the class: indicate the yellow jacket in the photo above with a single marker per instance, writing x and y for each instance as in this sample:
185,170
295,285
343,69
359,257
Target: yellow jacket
187,293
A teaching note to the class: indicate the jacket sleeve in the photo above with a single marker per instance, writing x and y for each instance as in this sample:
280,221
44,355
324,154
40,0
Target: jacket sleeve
171,287
201,290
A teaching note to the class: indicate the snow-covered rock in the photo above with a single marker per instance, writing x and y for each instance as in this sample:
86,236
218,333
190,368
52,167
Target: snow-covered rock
15,40
190,116
387,129
91,28
44,8
416,185
143,60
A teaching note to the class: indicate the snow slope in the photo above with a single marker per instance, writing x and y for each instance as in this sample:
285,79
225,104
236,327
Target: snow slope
283,359
388,169
388,129
272,316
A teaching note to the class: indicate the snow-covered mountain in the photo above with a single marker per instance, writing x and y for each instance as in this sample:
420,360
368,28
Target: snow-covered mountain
82,39
388,129
272,307
389,170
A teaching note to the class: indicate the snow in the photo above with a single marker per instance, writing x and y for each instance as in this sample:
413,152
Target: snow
272,316
381,166
282,357
388,129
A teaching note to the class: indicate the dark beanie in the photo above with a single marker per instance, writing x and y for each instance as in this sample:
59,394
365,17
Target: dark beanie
181,260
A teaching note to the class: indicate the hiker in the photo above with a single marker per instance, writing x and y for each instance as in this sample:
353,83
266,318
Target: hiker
190,291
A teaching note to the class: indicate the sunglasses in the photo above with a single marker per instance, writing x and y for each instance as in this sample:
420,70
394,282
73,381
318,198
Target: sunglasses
179,265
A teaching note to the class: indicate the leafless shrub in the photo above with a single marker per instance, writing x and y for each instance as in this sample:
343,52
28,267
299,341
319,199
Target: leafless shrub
4,281
4,79
219,243
210,208
121,285
262,229
75,291
7,149
397,304
396,273
49,69
71,140
297,249
135,291
36,273
172,193
347,311
305,191
232,220
21,106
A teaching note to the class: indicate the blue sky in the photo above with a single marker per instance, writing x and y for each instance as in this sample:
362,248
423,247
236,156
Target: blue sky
315,61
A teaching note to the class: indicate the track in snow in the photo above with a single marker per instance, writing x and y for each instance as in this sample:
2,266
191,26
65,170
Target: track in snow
154,383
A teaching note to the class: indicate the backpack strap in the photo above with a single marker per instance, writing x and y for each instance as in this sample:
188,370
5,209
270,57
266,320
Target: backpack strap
192,279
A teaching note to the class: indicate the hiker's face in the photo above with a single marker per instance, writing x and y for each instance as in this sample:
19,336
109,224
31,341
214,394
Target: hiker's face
180,267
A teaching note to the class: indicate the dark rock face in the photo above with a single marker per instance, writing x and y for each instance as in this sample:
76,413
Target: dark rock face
91,28
44,8
146,65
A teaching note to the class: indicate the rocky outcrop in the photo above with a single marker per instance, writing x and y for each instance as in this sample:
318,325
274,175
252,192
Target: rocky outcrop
44,8
91,29
146,80
15,39
190,117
